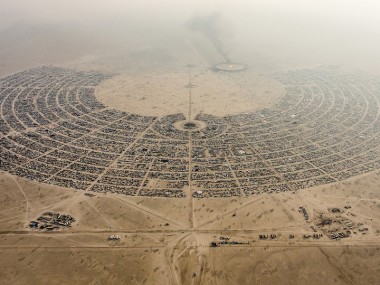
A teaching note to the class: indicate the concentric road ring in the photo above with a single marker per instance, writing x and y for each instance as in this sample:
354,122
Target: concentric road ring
53,130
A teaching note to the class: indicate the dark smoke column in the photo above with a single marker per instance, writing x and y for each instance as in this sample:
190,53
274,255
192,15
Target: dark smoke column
213,28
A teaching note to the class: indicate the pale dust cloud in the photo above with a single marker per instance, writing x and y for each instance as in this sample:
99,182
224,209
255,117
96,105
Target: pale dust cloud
287,33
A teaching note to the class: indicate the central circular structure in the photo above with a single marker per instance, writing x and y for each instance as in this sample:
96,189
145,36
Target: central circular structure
192,126
230,67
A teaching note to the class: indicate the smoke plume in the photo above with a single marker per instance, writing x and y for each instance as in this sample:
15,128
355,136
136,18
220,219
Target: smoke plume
214,28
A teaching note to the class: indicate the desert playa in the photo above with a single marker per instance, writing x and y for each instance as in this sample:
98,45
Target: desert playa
159,246
199,147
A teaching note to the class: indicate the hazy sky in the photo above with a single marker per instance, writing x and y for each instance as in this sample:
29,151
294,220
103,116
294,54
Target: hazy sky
345,11
339,31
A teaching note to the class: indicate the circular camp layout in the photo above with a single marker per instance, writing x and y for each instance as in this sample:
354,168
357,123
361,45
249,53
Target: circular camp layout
54,130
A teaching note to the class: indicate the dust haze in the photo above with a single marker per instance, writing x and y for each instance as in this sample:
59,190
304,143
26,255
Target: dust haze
287,33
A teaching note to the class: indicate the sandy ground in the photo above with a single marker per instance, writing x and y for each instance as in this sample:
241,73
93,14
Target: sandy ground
167,241
158,245
217,93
